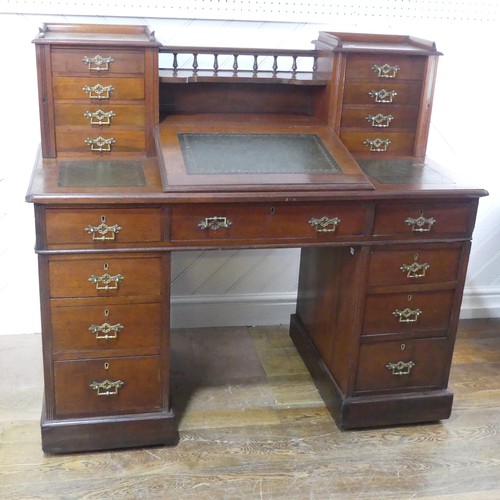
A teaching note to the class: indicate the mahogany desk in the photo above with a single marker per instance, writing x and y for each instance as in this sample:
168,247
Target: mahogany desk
138,161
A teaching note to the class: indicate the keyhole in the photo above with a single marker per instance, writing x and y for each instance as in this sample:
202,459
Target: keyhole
273,210
403,347
106,366
106,312
106,266
415,257
409,298
103,218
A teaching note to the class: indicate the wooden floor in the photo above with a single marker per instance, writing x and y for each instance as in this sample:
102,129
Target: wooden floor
253,427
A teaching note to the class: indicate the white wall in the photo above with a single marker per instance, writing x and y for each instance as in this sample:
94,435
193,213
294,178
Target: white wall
259,286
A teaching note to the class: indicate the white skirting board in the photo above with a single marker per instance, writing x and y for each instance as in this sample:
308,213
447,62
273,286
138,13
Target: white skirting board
275,308
481,302
261,309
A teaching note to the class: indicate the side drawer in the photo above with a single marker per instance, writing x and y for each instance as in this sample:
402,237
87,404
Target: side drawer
424,220
88,140
107,386
316,222
97,61
387,93
378,143
115,327
385,67
102,90
100,117
414,265
105,275
380,118
411,313
102,226
416,364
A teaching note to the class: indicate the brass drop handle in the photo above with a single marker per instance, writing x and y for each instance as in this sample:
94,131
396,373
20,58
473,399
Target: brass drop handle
385,70
379,120
106,331
106,281
325,224
98,91
415,270
107,387
377,145
99,117
103,231
400,367
100,144
97,63
407,315
215,223
420,224
383,96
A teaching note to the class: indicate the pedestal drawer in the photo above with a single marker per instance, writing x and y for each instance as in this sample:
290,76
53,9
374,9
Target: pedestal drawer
107,386
386,93
414,265
104,328
411,313
100,142
318,222
102,226
105,276
415,364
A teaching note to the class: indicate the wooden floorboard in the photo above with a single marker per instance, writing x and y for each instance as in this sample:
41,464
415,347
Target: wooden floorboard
252,425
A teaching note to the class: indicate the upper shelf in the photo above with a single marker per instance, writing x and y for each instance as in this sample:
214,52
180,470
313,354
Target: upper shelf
207,64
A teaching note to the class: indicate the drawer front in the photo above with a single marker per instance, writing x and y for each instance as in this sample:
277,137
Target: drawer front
314,222
424,220
380,118
100,117
416,364
410,313
378,143
109,140
116,327
388,94
107,386
98,91
413,266
385,67
105,276
102,226
97,61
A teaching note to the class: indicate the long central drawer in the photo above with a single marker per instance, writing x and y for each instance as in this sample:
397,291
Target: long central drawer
300,221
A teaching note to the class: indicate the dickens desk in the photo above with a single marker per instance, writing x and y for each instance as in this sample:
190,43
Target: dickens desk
147,150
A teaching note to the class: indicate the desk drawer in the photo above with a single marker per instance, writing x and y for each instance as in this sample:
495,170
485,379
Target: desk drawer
102,226
107,386
316,222
378,143
415,364
109,140
97,61
380,118
98,91
385,67
424,312
116,327
105,275
387,93
425,220
414,266
100,117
